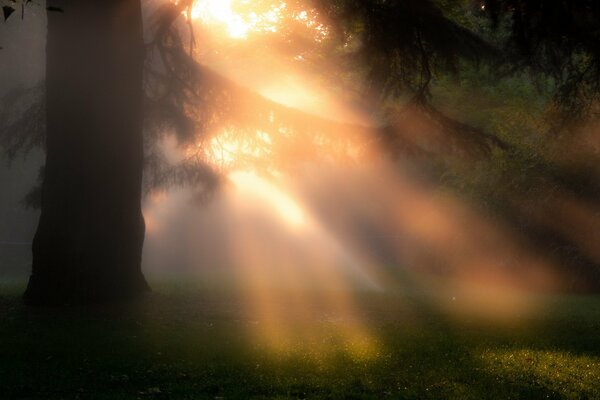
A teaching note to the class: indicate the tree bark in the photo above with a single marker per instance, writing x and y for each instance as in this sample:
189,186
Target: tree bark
89,239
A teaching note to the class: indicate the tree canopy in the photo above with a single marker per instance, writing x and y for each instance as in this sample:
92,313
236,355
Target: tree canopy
395,59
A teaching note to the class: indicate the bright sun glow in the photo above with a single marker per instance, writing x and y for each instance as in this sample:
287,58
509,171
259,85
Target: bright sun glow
343,225
237,25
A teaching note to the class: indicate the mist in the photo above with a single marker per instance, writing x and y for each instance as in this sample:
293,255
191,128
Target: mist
310,198
284,216
23,66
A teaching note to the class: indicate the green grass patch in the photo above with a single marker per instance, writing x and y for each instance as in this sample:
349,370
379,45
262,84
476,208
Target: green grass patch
190,341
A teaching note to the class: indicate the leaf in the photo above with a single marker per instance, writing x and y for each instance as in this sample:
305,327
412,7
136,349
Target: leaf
7,11
55,9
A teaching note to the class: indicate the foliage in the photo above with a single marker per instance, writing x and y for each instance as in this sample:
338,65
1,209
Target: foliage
22,120
403,43
543,165
477,91
559,39
9,7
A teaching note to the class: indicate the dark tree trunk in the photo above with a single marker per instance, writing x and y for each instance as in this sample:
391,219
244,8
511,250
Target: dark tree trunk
89,239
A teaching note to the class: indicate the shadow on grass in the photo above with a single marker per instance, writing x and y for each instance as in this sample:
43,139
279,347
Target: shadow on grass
198,346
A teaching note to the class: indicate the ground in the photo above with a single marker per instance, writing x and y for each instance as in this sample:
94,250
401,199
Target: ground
193,341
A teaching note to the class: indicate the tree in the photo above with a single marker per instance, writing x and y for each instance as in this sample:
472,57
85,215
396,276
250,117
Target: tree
558,39
89,239
90,235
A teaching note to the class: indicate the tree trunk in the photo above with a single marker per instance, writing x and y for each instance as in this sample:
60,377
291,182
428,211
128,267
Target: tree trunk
88,243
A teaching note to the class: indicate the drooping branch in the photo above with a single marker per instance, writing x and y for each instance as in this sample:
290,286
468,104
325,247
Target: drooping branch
195,103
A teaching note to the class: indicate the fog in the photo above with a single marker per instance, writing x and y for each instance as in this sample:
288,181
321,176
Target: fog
299,199
364,222
22,64
359,222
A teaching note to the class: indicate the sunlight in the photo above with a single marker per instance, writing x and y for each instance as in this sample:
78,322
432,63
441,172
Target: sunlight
333,227
239,18
223,13
298,199
223,152
281,202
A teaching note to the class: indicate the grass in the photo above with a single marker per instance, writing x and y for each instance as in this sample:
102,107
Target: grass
197,342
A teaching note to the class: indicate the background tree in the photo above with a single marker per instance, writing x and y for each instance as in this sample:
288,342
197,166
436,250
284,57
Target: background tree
89,240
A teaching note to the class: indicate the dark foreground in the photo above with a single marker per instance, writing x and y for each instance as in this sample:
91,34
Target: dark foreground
200,343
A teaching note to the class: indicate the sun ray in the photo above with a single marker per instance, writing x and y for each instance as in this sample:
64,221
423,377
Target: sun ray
226,14
283,204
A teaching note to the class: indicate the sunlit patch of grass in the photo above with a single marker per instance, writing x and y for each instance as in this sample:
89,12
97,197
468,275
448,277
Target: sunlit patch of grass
202,342
561,372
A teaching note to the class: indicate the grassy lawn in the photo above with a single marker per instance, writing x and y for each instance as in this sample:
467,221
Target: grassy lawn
194,342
